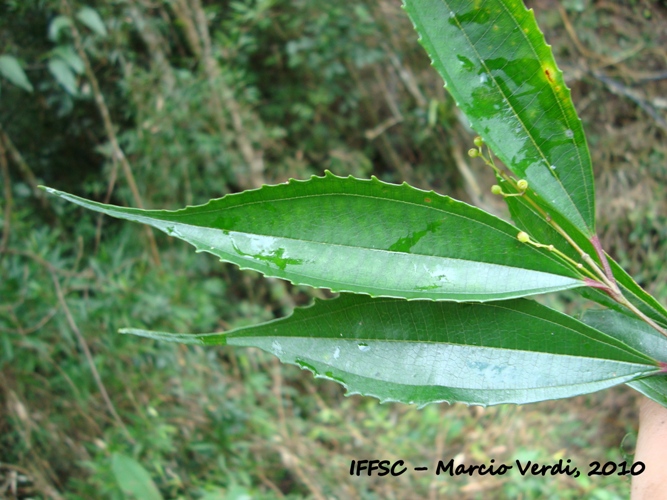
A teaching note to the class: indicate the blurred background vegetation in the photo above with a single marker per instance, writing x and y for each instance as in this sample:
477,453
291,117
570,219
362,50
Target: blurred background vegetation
164,103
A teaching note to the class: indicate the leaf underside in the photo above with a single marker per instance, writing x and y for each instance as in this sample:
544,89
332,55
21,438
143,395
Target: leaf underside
503,76
363,236
423,352
639,335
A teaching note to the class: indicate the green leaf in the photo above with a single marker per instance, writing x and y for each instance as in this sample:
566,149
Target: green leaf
69,55
90,17
422,352
654,388
12,71
57,25
497,66
630,331
642,337
363,236
133,479
64,75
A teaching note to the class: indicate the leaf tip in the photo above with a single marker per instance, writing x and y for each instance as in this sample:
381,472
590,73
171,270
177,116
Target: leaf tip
49,190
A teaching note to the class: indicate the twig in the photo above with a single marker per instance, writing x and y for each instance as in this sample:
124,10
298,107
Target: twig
380,129
254,159
24,168
289,459
575,39
262,477
41,261
155,44
108,126
40,483
408,79
26,331
470,182
89,357
620,89
110,185
182,11
8,199
438,453
386,146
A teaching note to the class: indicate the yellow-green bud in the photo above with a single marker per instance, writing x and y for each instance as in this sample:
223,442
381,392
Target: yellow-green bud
523,237
479,142
522,184
496,189
473,153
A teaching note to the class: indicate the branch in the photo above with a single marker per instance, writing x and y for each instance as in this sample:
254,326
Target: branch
108,126
252,158
8,199
24,168
89,357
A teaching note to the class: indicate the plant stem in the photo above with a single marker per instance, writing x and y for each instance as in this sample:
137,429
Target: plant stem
611,286
118,154
622,300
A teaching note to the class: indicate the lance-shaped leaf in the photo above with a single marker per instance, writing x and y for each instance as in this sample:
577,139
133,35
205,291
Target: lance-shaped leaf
363,236
496,64
422,352
642,337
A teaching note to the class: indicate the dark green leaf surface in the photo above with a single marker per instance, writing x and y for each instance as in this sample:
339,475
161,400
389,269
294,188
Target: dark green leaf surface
363,236
496,64
515,351
642,337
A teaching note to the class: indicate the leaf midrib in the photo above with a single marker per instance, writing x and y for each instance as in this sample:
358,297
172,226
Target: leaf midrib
286,199
523,125
524,313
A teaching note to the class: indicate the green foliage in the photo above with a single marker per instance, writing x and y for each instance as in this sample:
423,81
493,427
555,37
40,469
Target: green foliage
91,18
497,66
12,71
381,240
358,230
133,479
423,352
319,86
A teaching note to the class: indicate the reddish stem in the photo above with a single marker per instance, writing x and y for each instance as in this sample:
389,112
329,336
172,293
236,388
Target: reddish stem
603,258
596,284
